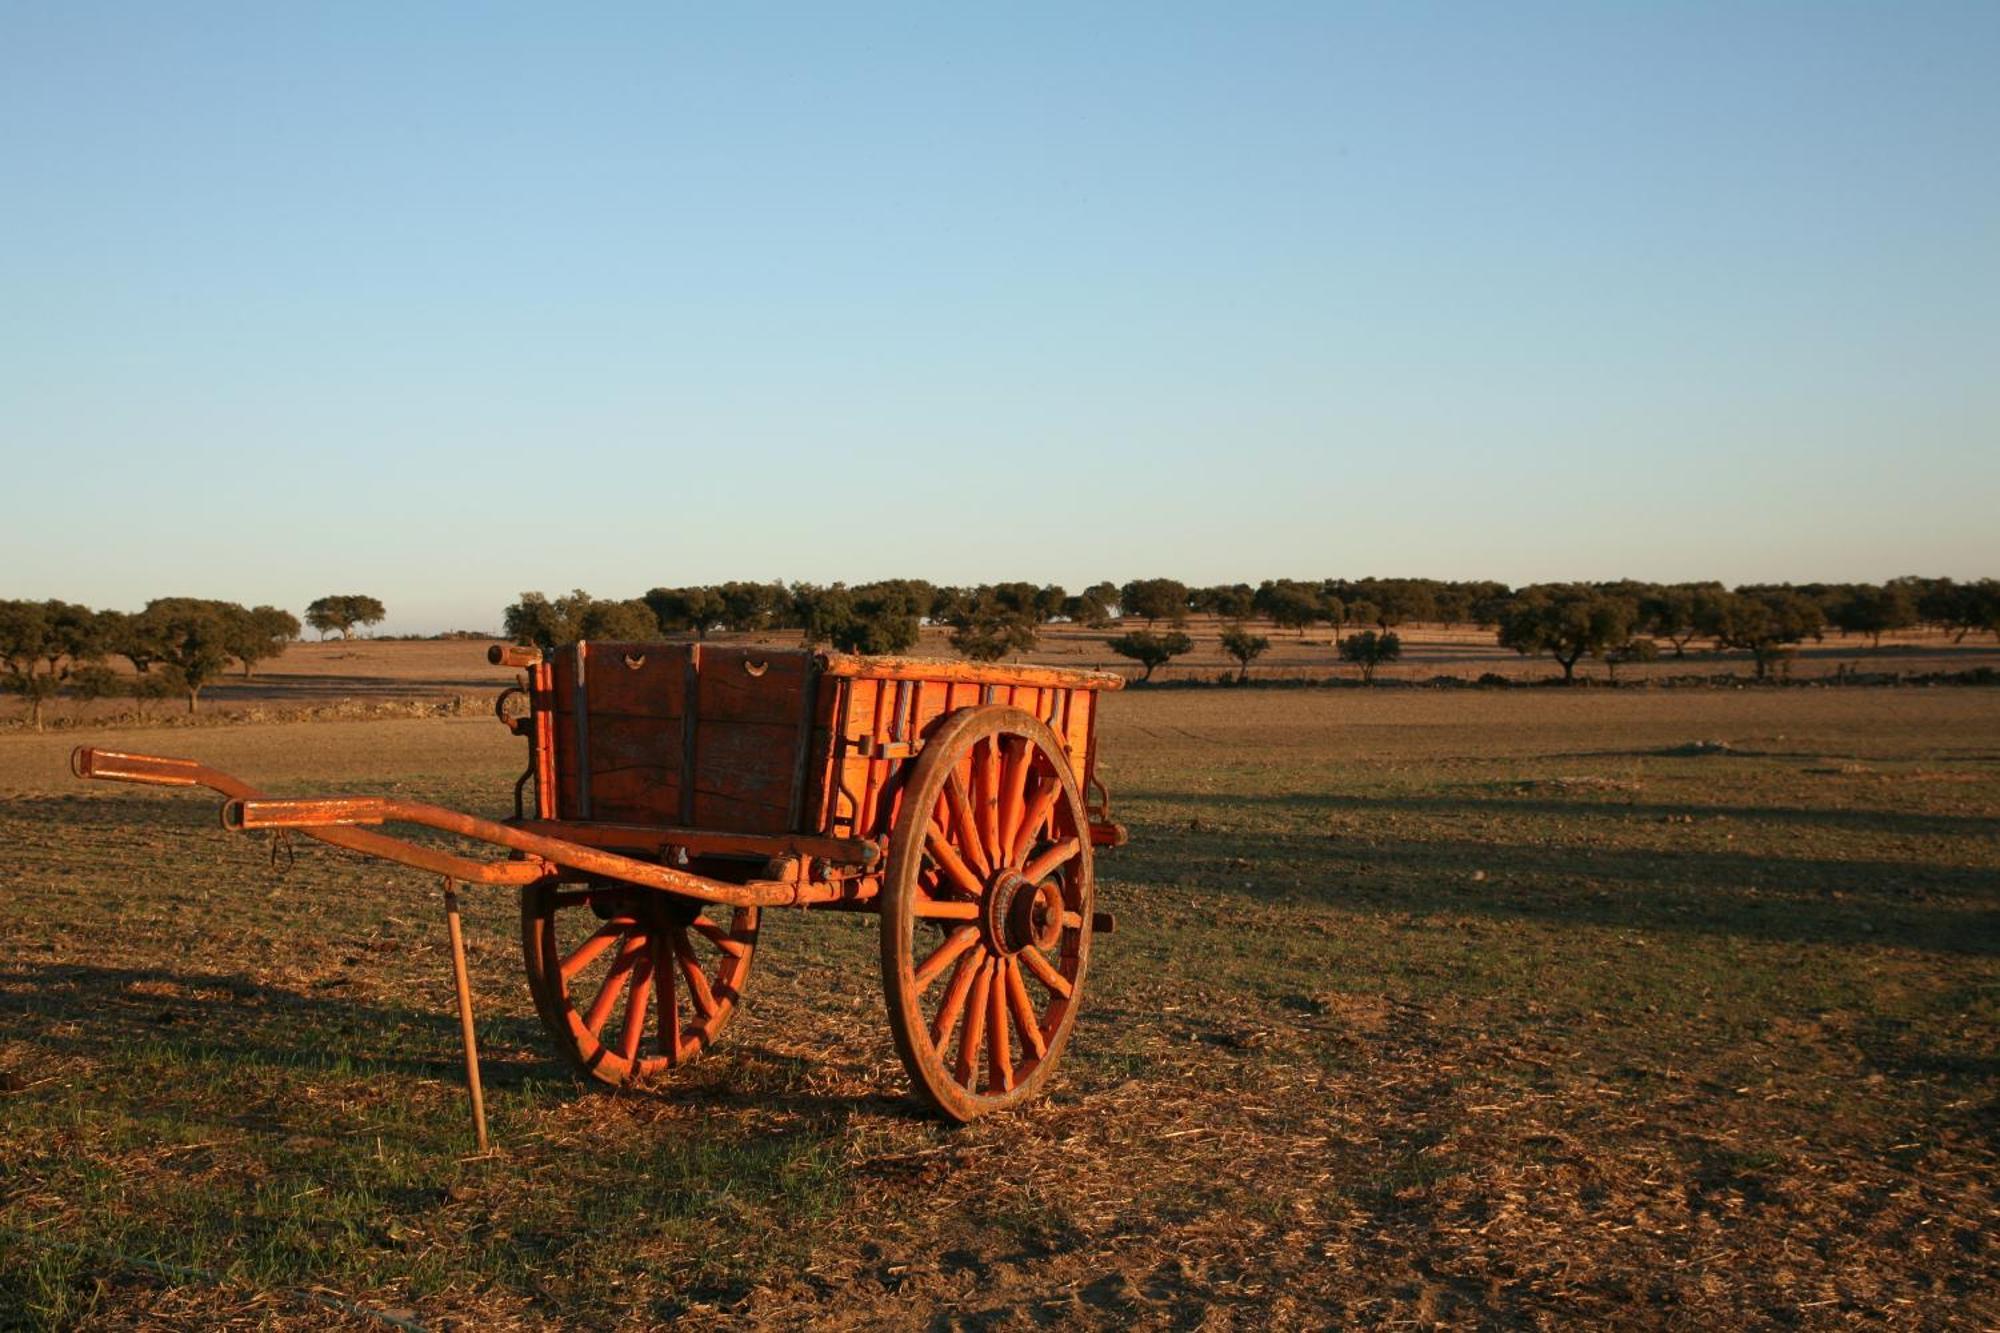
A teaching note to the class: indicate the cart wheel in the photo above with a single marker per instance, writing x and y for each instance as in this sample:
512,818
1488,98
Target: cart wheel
632,982
986,914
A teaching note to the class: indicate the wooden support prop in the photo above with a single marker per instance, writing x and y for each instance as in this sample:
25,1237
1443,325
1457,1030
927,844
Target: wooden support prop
464,985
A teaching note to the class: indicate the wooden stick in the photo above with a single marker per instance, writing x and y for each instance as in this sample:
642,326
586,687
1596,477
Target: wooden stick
464,985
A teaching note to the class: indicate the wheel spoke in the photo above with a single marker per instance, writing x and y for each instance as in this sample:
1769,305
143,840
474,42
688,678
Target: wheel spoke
636,1002
698,988
975,1026
721,938
954,1002
948,859
1039,805
669,1002
999,1059
947,910
987,780
944,955
1013,784
590,948
1055,857
1072,920
962,821
614,981
1024,1010
1045,971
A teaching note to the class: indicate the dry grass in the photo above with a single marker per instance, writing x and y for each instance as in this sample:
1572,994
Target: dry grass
1424,1008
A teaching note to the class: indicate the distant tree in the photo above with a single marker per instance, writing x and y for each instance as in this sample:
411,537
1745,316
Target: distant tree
992,621
820,611
42,645
1093,606
1333,611
95,681
1401,601
750,607
148,689
1245,647
1678,613
612,620
259,634
1453,604
1358,611
1288,604
1151,650
1050,600
1488,602
685,610
549,624
1225,601
1154,600
1933,600
1083,609
988,630
342,612
1369,650
537,620
1865,608
1566,621
190,637
1974,607
885,618
947,602
1632,650
1765,622
1017,599
24,636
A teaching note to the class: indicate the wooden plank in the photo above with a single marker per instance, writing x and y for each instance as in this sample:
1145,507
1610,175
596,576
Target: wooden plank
637,679
909,668
745,760
753,685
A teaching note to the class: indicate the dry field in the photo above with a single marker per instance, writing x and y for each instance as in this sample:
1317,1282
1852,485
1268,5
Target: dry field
1425,1008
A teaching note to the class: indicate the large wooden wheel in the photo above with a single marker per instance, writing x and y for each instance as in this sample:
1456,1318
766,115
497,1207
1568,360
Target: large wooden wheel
986,914
632,982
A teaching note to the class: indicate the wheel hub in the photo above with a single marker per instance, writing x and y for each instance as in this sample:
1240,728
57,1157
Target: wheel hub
1020,913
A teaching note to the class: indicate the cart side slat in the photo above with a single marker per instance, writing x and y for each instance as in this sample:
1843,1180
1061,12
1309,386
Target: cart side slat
907,701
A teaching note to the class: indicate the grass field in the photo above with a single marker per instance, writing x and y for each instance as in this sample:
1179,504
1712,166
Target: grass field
1423,1007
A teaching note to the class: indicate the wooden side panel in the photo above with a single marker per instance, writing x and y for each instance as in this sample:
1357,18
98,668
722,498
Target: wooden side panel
633,706
884,722
750,710
738,736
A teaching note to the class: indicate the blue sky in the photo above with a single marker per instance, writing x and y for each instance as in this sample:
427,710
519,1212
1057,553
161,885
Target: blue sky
443,303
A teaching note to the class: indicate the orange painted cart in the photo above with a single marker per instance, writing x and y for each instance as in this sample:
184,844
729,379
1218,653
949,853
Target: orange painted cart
675,791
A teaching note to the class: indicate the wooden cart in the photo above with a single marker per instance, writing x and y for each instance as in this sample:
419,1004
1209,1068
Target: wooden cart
675,791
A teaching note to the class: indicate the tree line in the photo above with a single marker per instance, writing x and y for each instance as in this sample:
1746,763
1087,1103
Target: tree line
1618,622
176,645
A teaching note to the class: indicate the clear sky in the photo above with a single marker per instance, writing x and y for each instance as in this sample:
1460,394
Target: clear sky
443,303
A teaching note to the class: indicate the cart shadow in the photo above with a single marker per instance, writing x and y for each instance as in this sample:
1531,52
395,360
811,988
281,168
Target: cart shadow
225,1020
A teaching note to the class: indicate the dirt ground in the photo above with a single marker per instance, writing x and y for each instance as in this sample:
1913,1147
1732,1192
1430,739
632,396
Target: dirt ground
1660,1008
